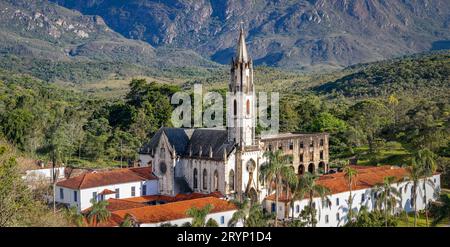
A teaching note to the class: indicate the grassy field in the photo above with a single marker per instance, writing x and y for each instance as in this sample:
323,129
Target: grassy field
421,221
393,153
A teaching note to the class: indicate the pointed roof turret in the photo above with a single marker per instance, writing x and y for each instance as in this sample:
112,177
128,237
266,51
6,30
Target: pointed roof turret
241,53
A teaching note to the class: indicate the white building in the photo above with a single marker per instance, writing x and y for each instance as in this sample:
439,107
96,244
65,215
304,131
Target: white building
120,183
172,211
334,213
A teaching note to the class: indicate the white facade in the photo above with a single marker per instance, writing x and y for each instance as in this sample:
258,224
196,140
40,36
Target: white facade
222,218
81,198
336,214
44,174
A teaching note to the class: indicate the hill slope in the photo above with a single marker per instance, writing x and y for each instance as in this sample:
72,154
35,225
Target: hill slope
55,43
427,75
300,34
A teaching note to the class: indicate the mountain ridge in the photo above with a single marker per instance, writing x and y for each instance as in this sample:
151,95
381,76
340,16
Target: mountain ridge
302,34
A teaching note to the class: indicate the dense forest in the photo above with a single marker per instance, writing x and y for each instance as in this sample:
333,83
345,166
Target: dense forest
377,113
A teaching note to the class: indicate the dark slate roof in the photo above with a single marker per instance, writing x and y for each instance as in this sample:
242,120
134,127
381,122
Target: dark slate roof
189,142
178,138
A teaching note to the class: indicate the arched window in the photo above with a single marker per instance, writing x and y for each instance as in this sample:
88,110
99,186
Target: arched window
235,107
205,179
248,107
231,180
195,178
216,180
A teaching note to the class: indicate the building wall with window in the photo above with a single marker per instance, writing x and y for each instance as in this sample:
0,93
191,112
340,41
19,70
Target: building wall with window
222,218
309,151
337,213
84,196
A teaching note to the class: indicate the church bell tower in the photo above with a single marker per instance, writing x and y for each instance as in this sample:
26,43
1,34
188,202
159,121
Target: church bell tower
241,114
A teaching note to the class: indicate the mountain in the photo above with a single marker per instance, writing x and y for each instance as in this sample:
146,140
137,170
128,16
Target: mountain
55,43
303,34
421,75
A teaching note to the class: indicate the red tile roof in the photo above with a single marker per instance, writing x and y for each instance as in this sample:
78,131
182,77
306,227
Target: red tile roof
367,177
174,210
118,176
107,192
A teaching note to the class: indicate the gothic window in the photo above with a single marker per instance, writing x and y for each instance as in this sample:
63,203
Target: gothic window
216,180
205,179
321,142
291,145
235,107
301,144
231,180
301,157
311,156
195,178
312,144
321,155
162,152
248,107
163,168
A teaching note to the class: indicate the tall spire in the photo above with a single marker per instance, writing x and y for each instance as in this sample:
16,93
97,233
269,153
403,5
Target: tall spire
241,54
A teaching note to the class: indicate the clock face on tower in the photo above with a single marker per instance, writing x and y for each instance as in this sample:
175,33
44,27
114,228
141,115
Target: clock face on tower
163,167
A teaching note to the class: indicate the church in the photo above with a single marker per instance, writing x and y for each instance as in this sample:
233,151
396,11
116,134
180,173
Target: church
228,160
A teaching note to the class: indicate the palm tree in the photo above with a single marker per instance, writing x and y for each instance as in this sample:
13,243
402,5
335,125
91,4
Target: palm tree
425,158
199,215
74,216
387,196
129,221
99,212
211,223
274,170
350,175
308,186
415,173
442,210
242,213
256,217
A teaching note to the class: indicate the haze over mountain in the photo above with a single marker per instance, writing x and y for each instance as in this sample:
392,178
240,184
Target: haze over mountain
293,34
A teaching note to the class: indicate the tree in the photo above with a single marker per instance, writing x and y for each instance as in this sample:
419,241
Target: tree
199,215
129,221
16,125
370,116
211,223
415,174
242,213
98,212
308,186
15,198
74,216
256,217
426,160
350,175
387,196
371,219
441,209
273,170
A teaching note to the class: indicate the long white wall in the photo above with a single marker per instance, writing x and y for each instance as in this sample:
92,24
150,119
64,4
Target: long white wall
221,218
336,215
84,196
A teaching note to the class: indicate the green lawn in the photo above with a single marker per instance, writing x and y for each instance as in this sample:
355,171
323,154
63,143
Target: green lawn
421,222
391,154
